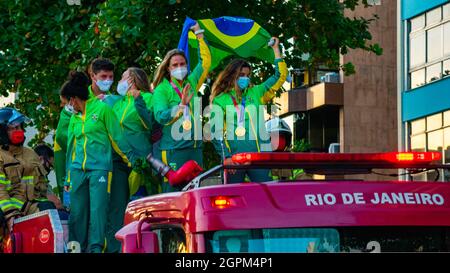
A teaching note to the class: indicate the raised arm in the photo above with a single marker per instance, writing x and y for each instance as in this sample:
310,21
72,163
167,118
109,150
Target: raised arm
267,89
200,72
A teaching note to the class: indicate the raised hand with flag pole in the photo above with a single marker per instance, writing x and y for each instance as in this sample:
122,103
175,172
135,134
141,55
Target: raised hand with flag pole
176,105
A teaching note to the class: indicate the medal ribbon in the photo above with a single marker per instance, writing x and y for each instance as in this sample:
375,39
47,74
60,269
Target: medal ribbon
240,109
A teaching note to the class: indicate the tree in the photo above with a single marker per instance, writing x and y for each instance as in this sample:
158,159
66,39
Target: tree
40,41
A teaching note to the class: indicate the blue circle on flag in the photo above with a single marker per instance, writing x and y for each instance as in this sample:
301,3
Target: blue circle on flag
234,26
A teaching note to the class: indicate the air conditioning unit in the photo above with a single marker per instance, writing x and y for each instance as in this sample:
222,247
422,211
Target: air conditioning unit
334,148
330,77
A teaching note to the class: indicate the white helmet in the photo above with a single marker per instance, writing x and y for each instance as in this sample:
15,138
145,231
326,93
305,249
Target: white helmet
277,125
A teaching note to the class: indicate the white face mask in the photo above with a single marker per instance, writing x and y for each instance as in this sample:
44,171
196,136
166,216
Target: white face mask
69,108
122,87
104,85
179,73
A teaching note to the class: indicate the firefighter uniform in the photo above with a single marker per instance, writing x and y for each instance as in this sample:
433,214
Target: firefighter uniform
91,139
254,138
178,145
23,183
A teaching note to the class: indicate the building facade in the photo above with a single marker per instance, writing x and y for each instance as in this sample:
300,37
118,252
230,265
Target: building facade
360,111
424,79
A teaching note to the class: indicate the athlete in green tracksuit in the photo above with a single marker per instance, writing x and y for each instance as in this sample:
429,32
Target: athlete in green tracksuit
93,133
102,73
60,148
245,130
174,109
133,110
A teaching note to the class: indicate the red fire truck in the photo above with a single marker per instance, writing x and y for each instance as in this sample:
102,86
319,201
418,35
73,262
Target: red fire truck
335,214
330,215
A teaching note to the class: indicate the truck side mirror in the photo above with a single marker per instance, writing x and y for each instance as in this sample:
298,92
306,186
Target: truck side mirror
136,238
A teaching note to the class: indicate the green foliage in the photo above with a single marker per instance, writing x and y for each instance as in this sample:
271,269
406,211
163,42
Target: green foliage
301,146
40,41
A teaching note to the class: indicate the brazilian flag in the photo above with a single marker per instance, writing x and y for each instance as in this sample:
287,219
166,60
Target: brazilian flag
227,36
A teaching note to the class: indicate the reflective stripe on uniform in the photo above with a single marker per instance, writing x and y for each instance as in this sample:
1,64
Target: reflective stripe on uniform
164,160
5,182
27,179
7,204
118,151
17,202
109,181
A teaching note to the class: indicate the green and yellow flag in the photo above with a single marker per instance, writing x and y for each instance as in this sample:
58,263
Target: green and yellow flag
227,36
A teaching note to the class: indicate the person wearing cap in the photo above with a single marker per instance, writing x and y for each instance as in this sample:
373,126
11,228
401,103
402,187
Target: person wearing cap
241,128
23,182
174,108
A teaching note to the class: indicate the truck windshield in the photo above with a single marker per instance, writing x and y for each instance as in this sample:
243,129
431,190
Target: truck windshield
351,239
274,240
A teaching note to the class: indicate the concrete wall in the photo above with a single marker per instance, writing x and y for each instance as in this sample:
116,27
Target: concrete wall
369,116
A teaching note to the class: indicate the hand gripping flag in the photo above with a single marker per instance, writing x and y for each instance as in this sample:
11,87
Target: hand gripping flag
227,36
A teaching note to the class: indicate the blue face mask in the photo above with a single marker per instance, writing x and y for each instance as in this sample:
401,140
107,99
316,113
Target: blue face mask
104,85
243,82
122,88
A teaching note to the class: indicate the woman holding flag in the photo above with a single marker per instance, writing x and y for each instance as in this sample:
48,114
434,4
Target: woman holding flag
233,94
174,108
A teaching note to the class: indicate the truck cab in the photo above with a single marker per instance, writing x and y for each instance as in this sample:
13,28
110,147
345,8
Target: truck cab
331,215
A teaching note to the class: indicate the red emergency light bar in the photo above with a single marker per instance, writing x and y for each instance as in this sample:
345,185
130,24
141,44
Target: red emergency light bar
366,160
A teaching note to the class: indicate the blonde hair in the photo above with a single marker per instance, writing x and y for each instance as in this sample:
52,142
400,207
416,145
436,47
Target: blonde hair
139,78
163,68
226,80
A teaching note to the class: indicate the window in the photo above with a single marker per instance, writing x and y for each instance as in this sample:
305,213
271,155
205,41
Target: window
446,11
434,40
296,240
434,16
434,122
433,72
418,126
432,134
418,78
447,39
395,239
429,46
447,145
417,51
418,143
435,141
171,239
447,118
374,2
446,68
417,23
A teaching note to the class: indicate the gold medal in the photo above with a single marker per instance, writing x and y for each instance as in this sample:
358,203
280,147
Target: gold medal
187,125
240,131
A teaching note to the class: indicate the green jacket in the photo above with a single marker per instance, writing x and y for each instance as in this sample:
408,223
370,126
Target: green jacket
166,101
256,137
60,146
136,121
92,138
